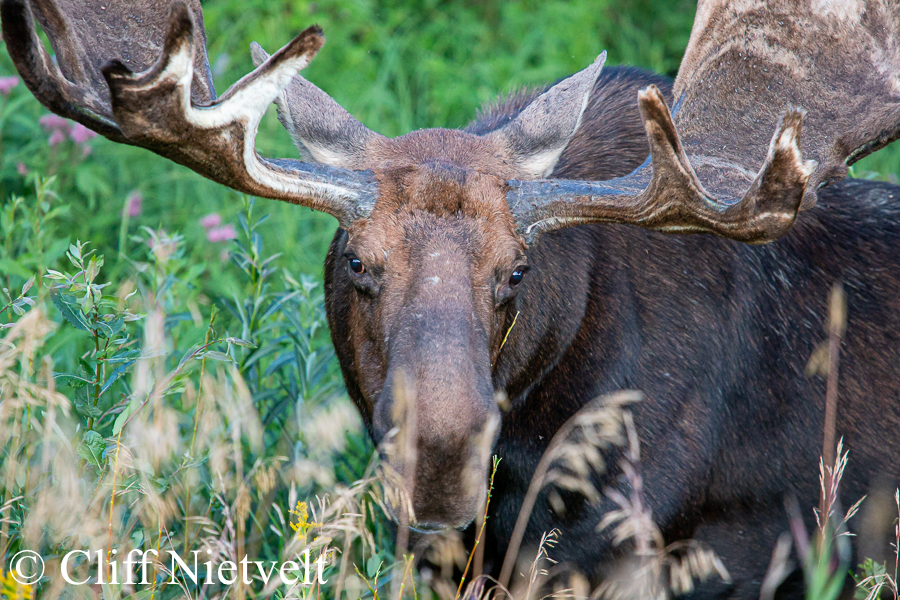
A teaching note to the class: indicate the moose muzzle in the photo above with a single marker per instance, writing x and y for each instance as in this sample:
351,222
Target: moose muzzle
436,422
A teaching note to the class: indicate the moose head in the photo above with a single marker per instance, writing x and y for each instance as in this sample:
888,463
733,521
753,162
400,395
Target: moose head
436,224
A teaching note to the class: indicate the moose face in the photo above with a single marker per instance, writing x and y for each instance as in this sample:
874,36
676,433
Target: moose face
430,277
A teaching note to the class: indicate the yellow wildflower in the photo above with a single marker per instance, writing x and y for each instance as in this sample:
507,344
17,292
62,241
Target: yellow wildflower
300,522
10,589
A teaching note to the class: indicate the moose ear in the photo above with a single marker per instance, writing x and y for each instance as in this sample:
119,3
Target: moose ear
320,127
537,137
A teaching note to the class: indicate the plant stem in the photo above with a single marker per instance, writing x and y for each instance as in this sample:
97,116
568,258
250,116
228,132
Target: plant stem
112,501
187,500
162,386
837,319
96,371
487,505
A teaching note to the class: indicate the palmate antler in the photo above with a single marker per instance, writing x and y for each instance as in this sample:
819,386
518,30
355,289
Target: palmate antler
161,96
747,68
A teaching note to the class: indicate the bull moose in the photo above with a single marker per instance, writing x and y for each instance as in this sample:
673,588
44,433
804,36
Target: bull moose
448,237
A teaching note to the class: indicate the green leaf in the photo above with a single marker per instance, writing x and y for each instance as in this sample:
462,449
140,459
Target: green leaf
56,275
91,448
72,380
189,354
111,591
373,565
109,328
130,409
124,356
12,267
120,370
240,342
91,184
68,306
87,303
56,250
84,405
217,356
93,268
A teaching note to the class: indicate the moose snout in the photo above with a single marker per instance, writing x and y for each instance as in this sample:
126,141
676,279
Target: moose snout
436,455
442,486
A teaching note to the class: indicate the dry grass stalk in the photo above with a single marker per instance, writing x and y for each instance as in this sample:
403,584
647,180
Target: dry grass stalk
837,324
657,571
575,449
538,572
829,482
406,420
780,567
128,499
484,511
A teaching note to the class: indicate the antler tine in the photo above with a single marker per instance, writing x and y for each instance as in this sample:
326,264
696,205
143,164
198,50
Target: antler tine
154,109
218,140
672,198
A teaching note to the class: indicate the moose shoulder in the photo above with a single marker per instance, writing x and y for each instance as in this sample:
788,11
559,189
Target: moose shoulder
545,214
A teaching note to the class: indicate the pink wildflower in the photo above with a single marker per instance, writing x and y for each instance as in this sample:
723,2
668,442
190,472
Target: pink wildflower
221,234
133,204
57,137
81,134
21,169
211,220
53,122
7,84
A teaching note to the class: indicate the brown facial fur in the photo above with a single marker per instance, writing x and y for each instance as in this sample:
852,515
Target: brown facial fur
431,309
434,302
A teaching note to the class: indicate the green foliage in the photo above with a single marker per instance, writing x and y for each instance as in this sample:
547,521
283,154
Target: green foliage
824,572
204,411
876,580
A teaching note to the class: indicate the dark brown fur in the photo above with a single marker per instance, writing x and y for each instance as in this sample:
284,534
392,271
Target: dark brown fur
716,333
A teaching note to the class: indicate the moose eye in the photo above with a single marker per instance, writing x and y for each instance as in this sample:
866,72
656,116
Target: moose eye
356,265
516,277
